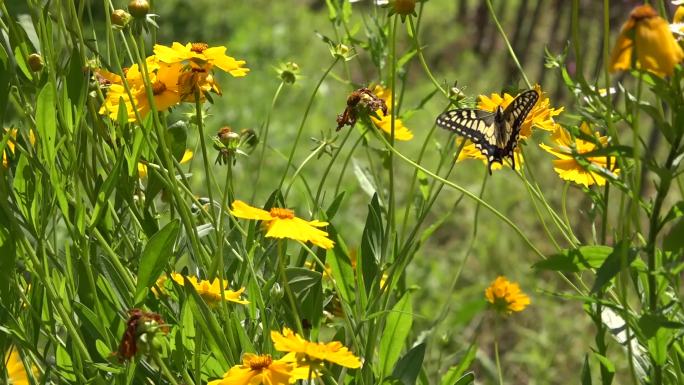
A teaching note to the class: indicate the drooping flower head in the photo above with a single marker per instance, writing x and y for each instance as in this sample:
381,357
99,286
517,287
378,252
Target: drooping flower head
646,42
258,369
586,171
282,223
506,297
313,353
210,291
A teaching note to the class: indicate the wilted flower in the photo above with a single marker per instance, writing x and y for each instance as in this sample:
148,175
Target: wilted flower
361,101
141,329
282,223
506,297
570,164
647,42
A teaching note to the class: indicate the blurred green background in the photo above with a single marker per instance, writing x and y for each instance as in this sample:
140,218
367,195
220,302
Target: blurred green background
546,343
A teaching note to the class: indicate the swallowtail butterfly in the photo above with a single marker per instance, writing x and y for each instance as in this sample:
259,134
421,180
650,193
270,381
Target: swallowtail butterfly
496,133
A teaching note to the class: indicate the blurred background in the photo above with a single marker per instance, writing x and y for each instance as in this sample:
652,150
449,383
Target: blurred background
546,343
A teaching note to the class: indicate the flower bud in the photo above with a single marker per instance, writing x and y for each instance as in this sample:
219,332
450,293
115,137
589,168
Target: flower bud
35,62
139,8
120,18
249,137
288,72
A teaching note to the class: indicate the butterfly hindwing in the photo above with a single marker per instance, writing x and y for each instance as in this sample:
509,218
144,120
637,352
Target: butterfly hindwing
514,116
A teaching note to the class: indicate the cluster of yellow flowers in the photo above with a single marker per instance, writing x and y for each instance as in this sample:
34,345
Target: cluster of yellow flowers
180,73
304,360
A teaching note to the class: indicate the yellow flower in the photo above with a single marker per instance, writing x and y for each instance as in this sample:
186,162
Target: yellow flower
568,168
200,55
256,370
506,296
211,291
16,371
142,167
282,223
469,151
305,351
401,132
11,143
163,81
649,35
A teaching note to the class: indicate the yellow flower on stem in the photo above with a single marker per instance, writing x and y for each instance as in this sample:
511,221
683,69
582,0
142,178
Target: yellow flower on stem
200,55
163,82
11,143
282,223
590,170
384,123
256,370
506,297
646,41
312,353
14,366
211,291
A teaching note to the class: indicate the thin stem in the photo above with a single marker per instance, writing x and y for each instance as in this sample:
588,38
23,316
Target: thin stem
423,63
496,354
264,138
199,120
508,44
301,124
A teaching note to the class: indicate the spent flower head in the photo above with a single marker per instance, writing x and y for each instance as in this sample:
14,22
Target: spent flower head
361,102
288,72
506,297
143,330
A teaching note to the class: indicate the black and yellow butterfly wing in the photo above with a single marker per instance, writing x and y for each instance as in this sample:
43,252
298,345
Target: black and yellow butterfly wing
495,134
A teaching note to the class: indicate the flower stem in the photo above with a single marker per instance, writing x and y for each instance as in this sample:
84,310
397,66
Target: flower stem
282,252
423,63
301,124
508,43
205,157
496,352
264,138
162,366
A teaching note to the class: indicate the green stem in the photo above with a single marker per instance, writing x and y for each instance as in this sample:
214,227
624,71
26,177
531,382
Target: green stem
164,369
264,139
282,254
423,63
390,231
301,124
496,352
508,44
199,120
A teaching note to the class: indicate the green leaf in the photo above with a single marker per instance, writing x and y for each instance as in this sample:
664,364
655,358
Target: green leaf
408,367
8,252
674,240
371,244
106,190
342,271
586,371
307,287
364,178
455,371
154,258
621,257
397,328
467,379
423,185
64,364
45,121
5,83
334,206
575,260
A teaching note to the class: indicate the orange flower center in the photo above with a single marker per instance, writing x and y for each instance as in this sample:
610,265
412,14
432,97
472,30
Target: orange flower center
282,213
158,87
199,47
260,362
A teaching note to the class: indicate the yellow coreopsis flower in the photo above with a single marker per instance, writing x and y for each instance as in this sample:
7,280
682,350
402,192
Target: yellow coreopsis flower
302,350
282,223
11,143
257,370
200,55
211,291
384,123
164,81
506,297
568,168
16,372
646,40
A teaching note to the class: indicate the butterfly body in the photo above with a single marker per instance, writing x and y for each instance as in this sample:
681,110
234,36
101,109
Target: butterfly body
496,133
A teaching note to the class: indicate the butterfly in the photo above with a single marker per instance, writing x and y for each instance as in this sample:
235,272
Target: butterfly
496,133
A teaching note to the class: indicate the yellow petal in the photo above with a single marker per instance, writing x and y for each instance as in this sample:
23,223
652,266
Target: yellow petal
243,210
